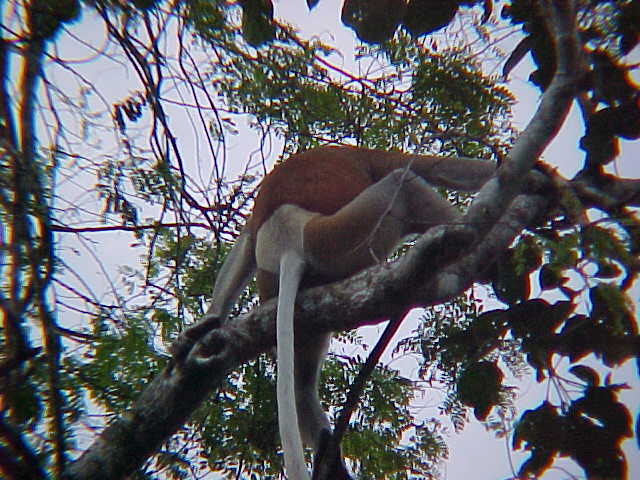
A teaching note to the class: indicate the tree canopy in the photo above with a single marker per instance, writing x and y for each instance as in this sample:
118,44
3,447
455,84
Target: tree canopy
133,137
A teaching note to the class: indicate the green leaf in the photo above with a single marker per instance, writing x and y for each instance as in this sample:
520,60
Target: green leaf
586,374
511,285
550,277
24,403
257,22
426,16
540,432
479,387
374,21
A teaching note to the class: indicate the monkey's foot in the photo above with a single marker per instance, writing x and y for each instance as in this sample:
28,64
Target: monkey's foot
328,463
186,341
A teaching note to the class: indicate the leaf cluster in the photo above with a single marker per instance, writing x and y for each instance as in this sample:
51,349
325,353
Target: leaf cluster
376,21
590,431
375,442
468,350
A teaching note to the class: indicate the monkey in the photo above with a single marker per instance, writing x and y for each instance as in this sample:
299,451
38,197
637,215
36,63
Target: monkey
321,216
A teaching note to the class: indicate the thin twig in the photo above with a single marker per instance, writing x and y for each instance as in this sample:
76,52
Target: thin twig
357,387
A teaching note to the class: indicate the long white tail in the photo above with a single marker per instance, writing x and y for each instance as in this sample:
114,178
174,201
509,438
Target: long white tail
291,269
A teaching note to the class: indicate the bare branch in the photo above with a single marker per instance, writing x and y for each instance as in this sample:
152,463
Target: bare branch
126,228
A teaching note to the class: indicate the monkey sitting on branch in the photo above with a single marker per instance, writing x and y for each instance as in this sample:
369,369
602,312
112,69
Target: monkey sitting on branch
321,216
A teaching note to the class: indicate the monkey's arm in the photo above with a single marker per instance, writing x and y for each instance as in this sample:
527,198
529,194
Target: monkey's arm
232,278
458,173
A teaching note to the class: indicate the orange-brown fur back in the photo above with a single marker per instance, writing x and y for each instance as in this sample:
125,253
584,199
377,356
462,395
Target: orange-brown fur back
321,180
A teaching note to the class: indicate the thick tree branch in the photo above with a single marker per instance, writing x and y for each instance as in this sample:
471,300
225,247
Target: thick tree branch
386,290
545,124
7,121
32,252
607,191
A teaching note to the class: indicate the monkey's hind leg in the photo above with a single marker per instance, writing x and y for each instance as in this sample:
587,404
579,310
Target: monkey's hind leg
366,230
312,419
327,462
